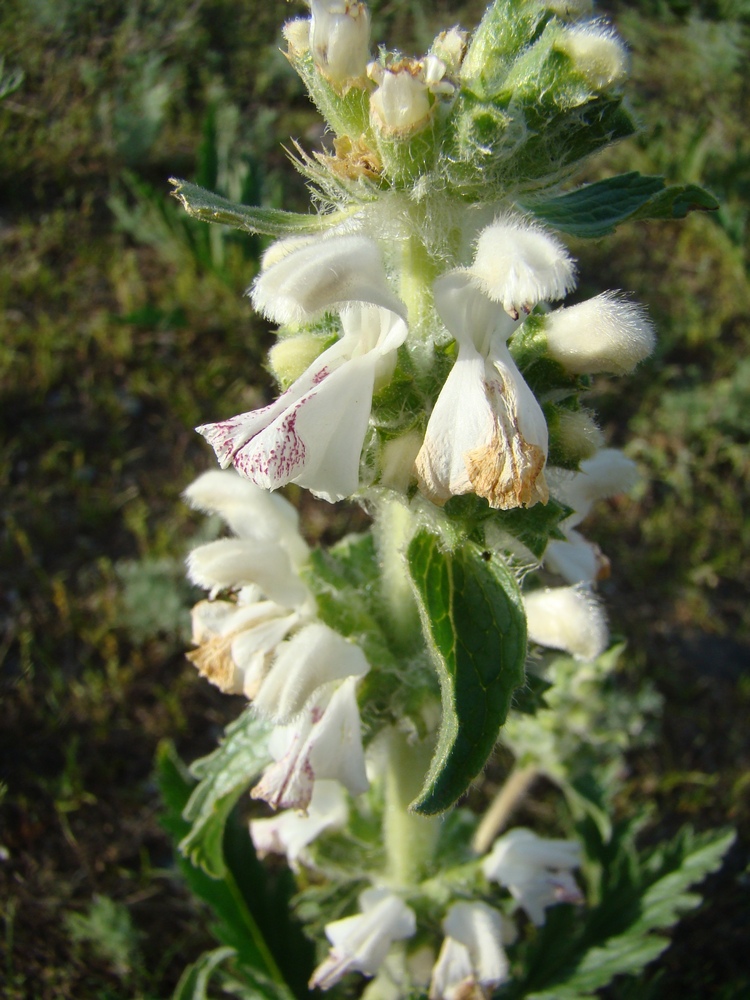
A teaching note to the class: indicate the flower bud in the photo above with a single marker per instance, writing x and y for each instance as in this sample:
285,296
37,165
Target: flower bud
567,618
603,334
449,47
597,54
401,102
397,462
576,435
340,40
291,356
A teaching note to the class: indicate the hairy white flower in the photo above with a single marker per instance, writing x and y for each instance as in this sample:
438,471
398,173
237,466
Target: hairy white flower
249,511
607,473
236,639
313,657
487,433
313,433
340,39
291,831
360,943
325,741
576,559
308,277
567,618
604,334
472,961
519,264
536,870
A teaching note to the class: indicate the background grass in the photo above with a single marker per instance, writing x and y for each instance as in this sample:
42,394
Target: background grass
124,325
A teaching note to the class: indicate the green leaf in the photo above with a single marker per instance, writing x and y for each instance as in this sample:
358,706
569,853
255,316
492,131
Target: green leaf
209,207
223,776
235,925
596,209
639,896
474,620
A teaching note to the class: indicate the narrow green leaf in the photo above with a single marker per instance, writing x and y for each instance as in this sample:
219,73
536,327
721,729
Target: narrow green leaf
474,619
235,925
223,776
596,209
209,207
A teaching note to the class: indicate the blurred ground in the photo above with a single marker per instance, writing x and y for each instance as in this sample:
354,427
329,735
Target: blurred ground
124,325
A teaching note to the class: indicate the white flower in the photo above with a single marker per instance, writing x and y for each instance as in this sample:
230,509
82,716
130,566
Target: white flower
487,433
576,559
290,832
537,871
604,334
360,943
340,39
236,639
472,961
401,102
518,264
313,433
325,741
313,657
249,511
605,474
307,277
567,618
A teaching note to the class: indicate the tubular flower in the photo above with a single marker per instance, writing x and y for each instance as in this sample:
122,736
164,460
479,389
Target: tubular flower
325,741
236,639
487,433
605,474
313,433
537,871
472,961
291,831
360,943
340,39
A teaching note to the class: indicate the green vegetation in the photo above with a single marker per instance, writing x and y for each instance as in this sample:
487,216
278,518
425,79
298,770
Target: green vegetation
124,325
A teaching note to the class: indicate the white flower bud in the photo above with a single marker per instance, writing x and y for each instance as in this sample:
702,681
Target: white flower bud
340,40
291,356
597,54
567,618
518,264
401,102
297,35
449,47
604,334
577,434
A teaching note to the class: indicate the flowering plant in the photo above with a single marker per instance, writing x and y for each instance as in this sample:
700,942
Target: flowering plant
426,375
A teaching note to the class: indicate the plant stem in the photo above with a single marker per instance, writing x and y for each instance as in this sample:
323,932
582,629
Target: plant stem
510,796
409,838
393,529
